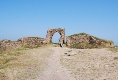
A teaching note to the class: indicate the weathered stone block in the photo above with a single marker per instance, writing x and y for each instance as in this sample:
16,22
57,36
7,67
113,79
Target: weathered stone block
51,32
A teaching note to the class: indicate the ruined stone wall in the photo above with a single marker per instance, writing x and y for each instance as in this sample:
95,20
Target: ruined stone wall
85,38
31,41
51,32
103,43
78,39
9,45
22,42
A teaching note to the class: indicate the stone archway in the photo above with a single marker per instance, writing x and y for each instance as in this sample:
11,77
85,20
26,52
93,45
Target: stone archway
51,32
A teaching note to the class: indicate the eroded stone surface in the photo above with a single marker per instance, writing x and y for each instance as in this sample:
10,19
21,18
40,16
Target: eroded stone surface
51,32
87,39
70,40
29,42
32,41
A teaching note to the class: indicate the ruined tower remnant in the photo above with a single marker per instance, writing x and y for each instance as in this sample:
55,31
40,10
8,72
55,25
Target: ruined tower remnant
51,32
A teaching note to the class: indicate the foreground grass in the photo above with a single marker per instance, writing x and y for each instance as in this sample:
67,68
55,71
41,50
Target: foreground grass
114,49
7,56
22,64
92,64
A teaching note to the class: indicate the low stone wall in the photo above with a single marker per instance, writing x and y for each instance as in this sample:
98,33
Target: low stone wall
29,42
70,40
86,38
9,45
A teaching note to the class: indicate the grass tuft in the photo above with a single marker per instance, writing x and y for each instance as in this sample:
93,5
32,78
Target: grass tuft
114,49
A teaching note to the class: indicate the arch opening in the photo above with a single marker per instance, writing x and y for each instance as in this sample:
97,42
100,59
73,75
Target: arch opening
55,38
58,34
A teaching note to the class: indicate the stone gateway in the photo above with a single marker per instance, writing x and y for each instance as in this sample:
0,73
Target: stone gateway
51,32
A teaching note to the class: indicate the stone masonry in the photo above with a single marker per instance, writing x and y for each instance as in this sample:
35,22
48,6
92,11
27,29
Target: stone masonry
32,42
29,42
9,45
86,38
51,32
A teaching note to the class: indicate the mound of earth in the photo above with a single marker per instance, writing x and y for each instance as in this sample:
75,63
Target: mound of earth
83,41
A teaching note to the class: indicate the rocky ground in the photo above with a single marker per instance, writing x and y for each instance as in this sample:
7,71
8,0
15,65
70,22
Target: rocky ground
91,64
55,63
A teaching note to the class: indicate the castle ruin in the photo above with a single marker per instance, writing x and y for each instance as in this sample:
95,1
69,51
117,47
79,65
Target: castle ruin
32,42
51,32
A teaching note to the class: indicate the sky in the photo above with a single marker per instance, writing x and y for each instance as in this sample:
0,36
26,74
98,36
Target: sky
22,18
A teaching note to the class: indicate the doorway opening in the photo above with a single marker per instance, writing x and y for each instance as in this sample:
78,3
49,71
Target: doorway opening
56,38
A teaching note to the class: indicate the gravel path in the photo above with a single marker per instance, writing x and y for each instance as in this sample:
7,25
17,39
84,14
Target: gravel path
55,71
56,63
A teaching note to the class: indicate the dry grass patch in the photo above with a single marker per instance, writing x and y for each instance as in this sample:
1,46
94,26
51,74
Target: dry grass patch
23,64
114,49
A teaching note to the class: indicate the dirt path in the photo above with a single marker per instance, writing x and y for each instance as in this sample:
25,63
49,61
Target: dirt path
55,71
55,63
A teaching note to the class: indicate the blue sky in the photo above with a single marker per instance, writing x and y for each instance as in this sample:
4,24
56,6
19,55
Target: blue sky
20,18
